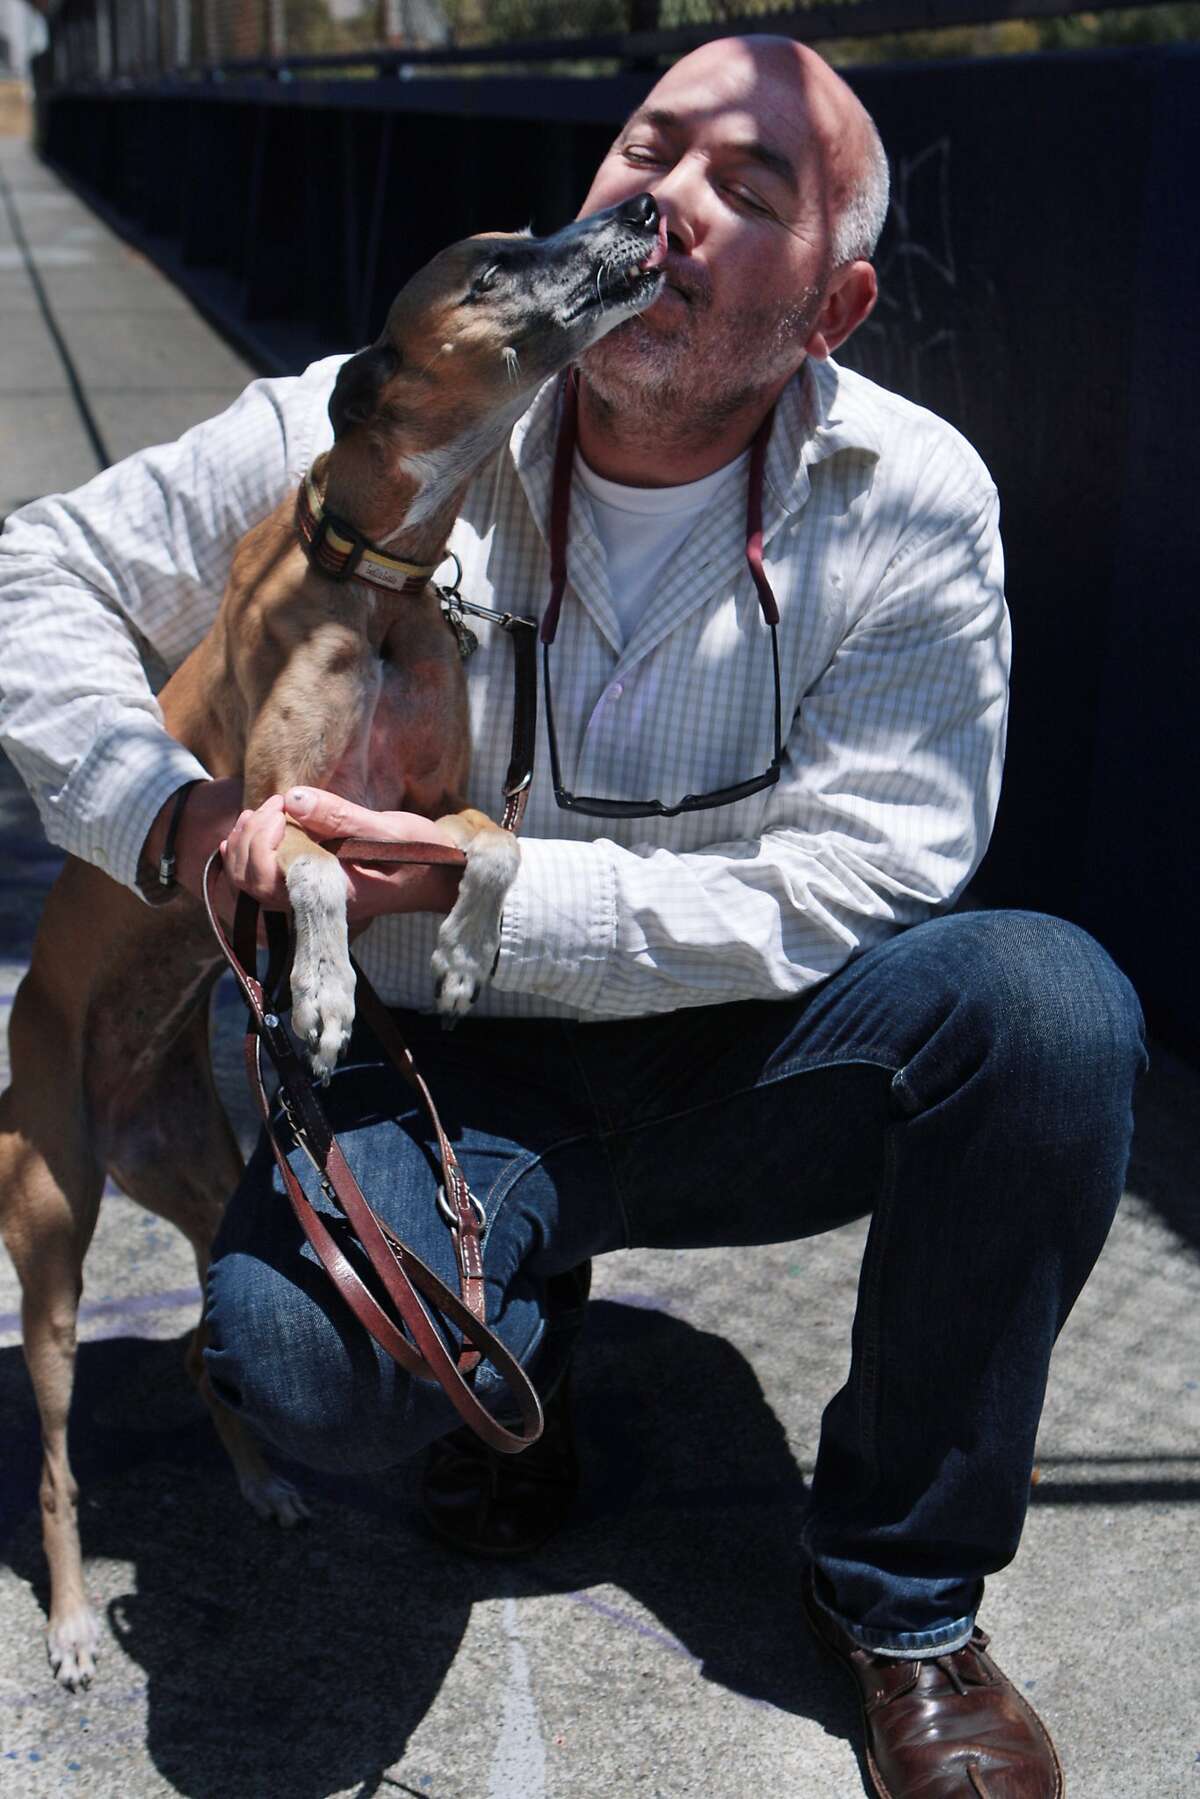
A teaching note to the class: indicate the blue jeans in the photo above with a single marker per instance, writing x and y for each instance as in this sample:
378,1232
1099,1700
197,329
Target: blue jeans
968,1084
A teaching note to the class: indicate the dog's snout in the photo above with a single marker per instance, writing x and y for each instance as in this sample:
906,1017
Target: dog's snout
640,212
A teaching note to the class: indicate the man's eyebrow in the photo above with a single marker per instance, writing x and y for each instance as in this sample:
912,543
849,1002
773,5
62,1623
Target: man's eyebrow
774,161
652,115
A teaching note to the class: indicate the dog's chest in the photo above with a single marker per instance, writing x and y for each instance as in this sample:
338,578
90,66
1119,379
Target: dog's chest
412,746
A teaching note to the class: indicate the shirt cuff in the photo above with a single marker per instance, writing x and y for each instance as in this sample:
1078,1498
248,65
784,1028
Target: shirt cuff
560,923
117,792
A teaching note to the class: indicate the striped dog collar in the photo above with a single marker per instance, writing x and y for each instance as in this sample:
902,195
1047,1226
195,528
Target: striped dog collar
336,549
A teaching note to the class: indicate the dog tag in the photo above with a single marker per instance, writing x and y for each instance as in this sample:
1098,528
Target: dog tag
465,638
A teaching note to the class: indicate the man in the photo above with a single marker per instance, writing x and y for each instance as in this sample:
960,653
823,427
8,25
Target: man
707,1027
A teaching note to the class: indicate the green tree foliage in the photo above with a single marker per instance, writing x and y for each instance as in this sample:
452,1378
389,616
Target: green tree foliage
1014,37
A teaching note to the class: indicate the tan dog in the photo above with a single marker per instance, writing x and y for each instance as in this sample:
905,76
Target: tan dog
301,680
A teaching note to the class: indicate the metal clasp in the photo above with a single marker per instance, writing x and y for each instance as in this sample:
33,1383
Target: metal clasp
450,1216
453,607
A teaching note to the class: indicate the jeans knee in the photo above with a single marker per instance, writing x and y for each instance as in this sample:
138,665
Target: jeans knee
306,1382
1066,999
1038,1005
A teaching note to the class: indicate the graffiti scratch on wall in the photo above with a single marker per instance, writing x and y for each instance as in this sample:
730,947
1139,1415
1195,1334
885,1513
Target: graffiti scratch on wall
911,341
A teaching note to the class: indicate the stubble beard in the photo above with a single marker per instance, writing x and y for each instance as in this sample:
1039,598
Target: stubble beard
690,383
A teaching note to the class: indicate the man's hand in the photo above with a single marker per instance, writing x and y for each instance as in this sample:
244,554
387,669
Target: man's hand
250,862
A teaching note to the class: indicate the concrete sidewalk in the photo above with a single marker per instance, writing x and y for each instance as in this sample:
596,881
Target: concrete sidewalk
656,1648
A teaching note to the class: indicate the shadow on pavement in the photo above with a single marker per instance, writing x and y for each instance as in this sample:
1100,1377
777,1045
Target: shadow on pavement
298,1664
1165,1166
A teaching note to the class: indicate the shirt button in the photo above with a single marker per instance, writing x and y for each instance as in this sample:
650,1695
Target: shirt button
616,690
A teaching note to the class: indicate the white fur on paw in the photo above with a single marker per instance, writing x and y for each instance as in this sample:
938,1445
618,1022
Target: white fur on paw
71,1644
273,1498
322,978
459,971
469,936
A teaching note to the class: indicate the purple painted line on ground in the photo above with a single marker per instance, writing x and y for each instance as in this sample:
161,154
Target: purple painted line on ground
617,1616
642,1302
661,1637
131,1307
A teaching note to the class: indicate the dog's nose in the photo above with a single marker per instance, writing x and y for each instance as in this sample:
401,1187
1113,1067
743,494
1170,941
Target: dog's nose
641,212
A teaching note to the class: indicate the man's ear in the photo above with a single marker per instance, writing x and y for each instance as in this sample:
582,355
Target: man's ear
852,294
356,391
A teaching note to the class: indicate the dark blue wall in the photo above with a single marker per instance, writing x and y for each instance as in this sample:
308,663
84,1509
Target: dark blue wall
1039,279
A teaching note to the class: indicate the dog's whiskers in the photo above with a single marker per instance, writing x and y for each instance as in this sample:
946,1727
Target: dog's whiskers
607,263
512,362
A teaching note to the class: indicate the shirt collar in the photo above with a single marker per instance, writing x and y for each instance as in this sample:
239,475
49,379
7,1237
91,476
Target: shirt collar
820,413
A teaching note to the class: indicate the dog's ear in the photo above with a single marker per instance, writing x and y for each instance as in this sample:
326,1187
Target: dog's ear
356,391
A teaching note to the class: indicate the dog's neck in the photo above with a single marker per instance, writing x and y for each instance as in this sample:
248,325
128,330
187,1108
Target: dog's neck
423,541
396,522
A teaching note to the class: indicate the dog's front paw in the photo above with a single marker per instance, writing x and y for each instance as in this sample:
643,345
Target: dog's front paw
273,1498
468,940
459,970
322,978
323,1017
71,1643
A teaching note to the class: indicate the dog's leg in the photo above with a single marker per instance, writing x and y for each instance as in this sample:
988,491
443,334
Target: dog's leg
179,1159
469,937
48,1205
266,1492
322,978
313,726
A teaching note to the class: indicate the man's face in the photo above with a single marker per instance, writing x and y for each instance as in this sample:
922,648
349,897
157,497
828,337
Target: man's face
736,151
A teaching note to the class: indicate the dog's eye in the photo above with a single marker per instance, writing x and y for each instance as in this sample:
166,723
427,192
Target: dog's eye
486,280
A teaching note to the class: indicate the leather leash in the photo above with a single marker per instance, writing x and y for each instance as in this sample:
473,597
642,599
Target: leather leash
406,1332
523,635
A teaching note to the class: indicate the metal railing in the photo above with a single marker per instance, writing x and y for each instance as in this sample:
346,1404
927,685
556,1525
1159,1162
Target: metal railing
122,41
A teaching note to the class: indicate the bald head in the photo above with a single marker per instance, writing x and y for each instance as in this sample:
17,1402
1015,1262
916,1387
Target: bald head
809,115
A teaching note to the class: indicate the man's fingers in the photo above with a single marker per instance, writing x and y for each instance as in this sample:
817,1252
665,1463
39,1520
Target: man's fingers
326,815
249,850
262,870
233,849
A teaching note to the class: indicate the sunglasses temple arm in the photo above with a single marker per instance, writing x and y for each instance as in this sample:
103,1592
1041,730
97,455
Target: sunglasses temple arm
778,697
551,736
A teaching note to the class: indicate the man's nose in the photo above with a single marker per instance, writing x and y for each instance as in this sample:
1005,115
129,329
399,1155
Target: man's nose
676,193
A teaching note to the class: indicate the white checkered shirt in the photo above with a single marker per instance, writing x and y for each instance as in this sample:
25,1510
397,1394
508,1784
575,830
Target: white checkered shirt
882,546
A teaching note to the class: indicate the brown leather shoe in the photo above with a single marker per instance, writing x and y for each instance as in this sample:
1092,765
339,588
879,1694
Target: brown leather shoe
484,1503
946,1727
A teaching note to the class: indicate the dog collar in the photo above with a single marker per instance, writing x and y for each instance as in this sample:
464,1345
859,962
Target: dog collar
336,549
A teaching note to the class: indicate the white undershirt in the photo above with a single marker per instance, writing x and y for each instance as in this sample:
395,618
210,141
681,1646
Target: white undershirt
640,528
